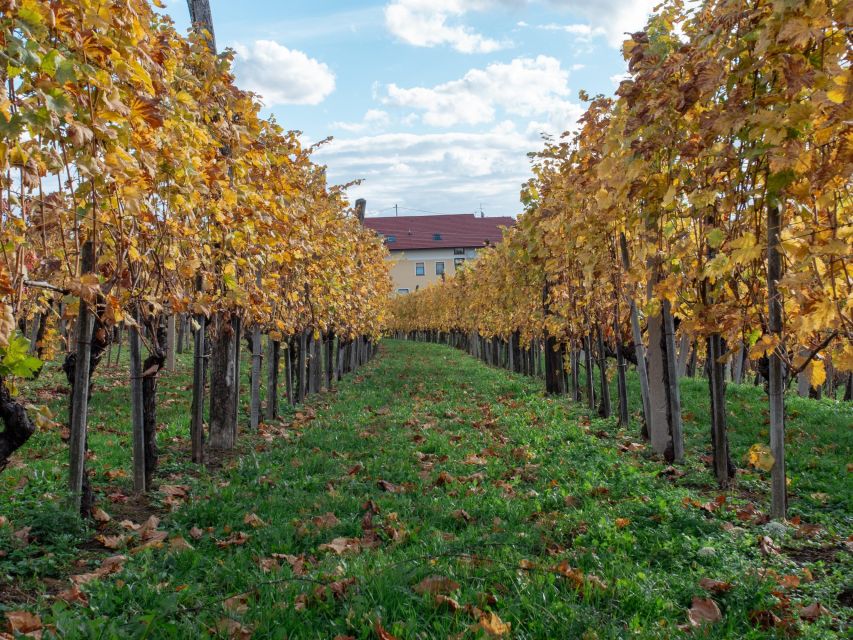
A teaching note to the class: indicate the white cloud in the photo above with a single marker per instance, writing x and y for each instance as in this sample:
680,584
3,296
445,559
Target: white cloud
426,23
525,87
281,75
611,18
449,172
375,120
430,23
583,31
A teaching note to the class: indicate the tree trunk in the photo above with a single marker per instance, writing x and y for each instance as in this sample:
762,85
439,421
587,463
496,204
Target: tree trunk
330,360
673,392
151,368
724,468
182,325
604,408
776,382
222,383
590,372
273,365
315,364
138,419
576,383
17,427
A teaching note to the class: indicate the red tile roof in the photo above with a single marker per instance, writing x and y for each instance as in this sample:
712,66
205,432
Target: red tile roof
455,230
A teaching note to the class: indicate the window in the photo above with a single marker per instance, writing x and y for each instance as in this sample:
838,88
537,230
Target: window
391,239
458,262
402,291
459,252
436,236
419,268
439,268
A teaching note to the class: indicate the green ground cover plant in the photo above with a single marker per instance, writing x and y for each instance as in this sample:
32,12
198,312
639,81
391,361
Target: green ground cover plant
431,496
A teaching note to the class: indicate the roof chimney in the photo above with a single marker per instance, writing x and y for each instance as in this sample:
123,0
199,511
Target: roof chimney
360,206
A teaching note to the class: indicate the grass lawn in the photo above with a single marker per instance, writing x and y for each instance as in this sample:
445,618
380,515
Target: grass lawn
431,497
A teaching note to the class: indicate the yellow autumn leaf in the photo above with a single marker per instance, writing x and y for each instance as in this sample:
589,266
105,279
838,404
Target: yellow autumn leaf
760,457
818,376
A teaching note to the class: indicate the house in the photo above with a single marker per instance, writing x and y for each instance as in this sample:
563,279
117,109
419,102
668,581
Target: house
426,248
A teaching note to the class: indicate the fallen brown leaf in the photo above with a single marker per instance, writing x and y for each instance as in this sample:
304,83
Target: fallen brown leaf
253,521
23,622
493,625
73,595
714,586
703,611
435,585
814,611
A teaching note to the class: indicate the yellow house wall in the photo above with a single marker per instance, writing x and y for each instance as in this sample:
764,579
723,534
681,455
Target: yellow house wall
404,262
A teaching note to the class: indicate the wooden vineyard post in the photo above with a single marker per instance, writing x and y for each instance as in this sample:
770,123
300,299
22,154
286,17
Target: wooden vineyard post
302,367
776,382
80,392
257,357
639,347
288,371
330,360
590,371
257,360
719,427
199,369
171,342
604,408
671,377
273,366
222,383
138,419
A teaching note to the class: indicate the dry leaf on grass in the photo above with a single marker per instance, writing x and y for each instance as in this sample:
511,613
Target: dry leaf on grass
110,565
73,595
238,604
814,611
342,545
714,586
390,487
435,585
100,515
112,542
325,521
178,543
23,622
447,602
253,521
236,539
381,633
233,630
493,625
703,611
462,516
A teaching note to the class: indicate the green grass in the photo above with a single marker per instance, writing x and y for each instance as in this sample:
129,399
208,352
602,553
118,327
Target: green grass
547,484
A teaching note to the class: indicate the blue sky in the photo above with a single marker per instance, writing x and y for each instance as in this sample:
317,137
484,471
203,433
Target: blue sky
433,103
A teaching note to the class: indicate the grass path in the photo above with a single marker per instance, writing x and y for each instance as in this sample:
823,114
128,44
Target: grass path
433,497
